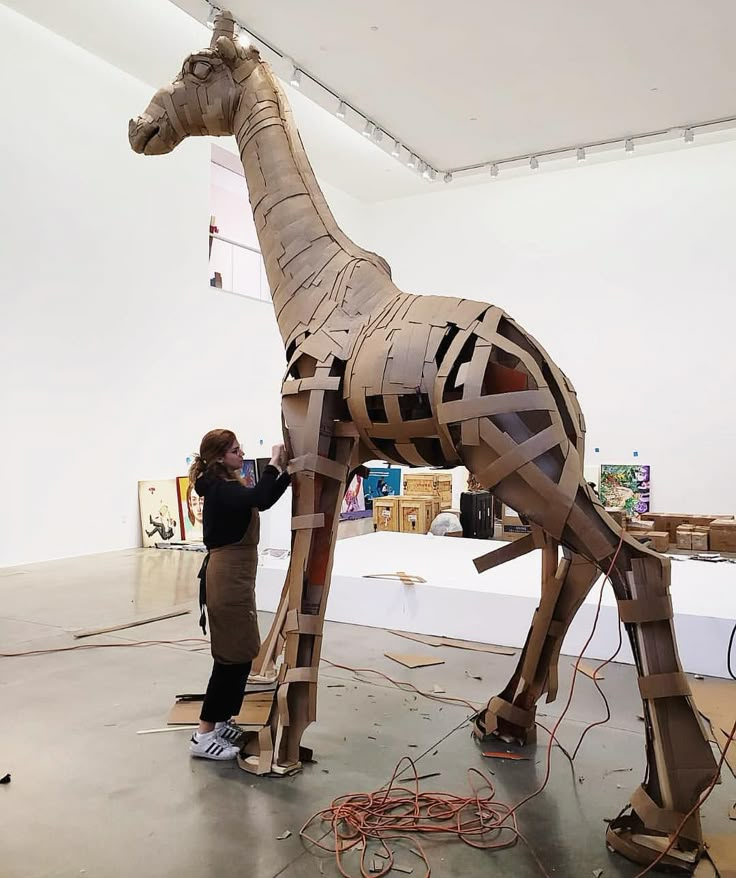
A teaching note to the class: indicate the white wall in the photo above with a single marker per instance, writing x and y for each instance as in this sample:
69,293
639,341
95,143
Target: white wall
115,353
624,272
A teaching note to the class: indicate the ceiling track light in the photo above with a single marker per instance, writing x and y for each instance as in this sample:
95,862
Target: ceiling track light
296,78
494,170
341,110
368,130
629,146
412,161
377,135
427,173
396,151
688,135
534,163
448,177
581,154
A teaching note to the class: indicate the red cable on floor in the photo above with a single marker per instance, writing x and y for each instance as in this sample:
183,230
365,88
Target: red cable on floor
395,812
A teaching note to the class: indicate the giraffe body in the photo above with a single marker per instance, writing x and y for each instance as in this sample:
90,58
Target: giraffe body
373,372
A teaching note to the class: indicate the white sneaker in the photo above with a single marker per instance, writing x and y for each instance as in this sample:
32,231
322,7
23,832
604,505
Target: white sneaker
229,731
209,745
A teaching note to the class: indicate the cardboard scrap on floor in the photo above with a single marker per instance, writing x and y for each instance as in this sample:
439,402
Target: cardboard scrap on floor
255,711
430,640
716,701
722,853
589,671
412,660
132,623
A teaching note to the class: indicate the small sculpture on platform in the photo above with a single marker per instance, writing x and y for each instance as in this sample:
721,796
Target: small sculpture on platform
373,372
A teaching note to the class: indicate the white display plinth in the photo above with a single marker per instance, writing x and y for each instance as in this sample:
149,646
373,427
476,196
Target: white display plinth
497,606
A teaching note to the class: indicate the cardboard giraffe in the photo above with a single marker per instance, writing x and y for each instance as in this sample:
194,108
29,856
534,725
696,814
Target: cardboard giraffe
373,372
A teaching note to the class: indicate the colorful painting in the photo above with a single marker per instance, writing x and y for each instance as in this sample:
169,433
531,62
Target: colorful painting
625,486
248,473
354,500
261,464
382,481
191,510
159,504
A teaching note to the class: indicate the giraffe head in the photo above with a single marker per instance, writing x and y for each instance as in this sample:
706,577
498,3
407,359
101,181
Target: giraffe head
204,97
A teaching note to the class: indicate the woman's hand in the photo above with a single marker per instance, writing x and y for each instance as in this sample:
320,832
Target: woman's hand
278,457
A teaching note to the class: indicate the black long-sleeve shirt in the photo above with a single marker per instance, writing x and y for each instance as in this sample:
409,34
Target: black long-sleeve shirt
228,505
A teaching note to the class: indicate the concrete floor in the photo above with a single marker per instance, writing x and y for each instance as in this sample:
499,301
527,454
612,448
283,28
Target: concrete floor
91,797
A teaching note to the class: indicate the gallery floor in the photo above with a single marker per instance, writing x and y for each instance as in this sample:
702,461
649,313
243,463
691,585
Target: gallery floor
91,797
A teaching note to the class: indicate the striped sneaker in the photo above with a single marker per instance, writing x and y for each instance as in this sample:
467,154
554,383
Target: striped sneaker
229,731
209,745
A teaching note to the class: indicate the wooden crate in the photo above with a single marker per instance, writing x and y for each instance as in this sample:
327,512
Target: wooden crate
415,516
723,535
386,513
424,484
512,527
684,536
431,498
700,539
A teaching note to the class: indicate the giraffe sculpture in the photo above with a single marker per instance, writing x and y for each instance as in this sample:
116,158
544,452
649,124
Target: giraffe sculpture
373,372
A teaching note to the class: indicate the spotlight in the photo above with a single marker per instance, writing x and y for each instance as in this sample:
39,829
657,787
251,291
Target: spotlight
448,177
396,151
581,153
629,146
341,109
534,163
368,130
688,135
412,161
377,135
494,170
296,78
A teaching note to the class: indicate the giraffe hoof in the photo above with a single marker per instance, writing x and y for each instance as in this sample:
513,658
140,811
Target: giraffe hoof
628,837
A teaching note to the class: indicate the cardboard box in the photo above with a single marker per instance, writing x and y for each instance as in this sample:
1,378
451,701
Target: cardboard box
700,539
670,521
723,535
512,527
386,514
415,516
684,536
659,540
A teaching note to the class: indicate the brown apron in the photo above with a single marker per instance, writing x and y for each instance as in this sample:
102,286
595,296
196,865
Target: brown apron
231,598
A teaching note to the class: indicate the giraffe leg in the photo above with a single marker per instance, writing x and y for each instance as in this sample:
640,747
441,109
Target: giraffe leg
319,467
565,584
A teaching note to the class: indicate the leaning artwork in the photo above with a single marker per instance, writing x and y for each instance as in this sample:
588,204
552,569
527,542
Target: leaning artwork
377,373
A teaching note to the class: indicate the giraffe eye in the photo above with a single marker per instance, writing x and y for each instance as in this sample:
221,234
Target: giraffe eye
200,69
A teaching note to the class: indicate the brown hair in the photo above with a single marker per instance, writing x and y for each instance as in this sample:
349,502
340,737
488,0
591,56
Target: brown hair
213,446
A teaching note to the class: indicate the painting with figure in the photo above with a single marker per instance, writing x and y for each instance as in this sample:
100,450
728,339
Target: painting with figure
261,464
191,510
248,473
625,486
354,499
382,481
160,519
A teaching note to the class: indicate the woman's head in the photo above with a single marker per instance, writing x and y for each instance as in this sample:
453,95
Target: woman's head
220,455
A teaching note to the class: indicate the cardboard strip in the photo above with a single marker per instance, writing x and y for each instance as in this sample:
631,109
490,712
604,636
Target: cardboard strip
315,464
301,675
304,623
664,685
505,553
495,404
653,816
516,715
653,609
305,522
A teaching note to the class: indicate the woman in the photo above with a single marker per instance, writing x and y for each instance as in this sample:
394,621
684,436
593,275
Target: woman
231,532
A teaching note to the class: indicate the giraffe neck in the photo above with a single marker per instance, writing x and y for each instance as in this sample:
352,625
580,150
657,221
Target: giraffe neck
296,230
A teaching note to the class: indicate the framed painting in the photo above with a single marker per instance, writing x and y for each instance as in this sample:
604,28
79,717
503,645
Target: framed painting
381,481
248,473
353,502
625,486
191,510
159,505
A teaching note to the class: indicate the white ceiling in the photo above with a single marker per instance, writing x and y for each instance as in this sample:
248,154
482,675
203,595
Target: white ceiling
473,80
460,83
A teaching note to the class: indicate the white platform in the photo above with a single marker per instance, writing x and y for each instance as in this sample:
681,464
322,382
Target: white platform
497,606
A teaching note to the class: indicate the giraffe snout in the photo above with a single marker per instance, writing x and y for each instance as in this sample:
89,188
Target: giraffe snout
143,136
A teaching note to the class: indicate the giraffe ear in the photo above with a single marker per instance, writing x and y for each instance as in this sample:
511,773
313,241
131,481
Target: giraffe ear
227,49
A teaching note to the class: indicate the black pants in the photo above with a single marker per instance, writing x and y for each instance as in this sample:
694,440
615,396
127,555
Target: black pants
225,691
